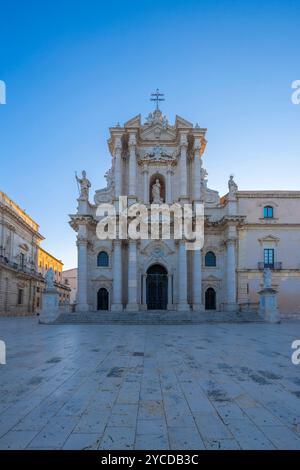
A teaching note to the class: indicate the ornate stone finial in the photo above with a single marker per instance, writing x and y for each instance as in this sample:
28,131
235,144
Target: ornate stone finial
84,185
197,126
267,278
118,124
157,117
49,279
232,186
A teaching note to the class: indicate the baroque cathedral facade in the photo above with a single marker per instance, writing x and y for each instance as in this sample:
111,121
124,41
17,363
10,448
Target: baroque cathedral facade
244,231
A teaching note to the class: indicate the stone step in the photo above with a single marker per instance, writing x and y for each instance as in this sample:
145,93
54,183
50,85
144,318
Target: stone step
156,317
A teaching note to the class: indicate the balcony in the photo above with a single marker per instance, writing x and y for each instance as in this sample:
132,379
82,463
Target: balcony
274,266
23,268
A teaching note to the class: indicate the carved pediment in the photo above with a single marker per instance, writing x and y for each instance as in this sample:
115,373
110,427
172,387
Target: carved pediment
134,122
102,278
157,249
181,122
157,131
269,239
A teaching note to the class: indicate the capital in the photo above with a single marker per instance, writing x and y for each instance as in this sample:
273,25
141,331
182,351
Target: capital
132,140
117,143
183,140
197,146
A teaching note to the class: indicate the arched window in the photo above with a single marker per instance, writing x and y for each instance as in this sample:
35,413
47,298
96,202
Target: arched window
268,212
210,259
102,259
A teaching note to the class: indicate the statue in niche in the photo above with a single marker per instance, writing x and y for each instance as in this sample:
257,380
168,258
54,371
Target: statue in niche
156,199
84,185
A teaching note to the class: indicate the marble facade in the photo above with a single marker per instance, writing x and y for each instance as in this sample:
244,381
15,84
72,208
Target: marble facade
228,272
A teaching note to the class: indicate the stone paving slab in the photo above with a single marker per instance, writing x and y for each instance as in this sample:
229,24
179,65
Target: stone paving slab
206,386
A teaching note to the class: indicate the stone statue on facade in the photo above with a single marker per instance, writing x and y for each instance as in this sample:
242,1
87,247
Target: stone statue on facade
156,199
232,186
49,279
84,185
109,179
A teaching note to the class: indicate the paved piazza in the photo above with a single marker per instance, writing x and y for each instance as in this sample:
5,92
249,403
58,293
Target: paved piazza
208,386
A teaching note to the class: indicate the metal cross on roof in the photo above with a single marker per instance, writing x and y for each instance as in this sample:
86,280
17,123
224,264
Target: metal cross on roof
157,98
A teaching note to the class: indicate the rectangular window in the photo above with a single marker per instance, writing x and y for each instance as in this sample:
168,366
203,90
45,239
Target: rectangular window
22,260
269,258
268,212
20,296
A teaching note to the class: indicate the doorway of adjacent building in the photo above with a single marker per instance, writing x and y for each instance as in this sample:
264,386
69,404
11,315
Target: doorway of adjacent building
102,299
210,299
157,287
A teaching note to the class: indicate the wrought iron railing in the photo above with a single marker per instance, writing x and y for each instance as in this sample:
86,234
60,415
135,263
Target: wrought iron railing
275,266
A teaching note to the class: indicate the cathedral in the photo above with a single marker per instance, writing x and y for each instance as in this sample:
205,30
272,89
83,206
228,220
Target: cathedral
154,161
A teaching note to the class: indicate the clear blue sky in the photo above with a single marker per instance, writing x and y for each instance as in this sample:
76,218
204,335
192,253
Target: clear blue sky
74,68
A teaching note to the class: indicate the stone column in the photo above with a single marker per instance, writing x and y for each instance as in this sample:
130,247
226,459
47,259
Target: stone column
118,167
182,277
132,304
197,281
170,292
197,171
146,185
117,277
231,275
183,166
132,165
169,196
82,304
144,287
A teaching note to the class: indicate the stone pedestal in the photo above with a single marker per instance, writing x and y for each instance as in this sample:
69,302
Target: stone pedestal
268,305
50,308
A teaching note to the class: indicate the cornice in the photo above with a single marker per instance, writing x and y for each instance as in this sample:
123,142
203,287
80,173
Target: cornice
6,209
270,194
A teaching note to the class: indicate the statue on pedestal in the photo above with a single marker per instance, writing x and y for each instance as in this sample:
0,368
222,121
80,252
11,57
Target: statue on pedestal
84,185
49,279
232,186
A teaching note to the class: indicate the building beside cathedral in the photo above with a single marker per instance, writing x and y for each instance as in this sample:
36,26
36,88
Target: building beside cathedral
245,231
23,262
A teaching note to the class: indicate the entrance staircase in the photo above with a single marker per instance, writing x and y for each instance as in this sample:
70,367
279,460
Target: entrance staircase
156,317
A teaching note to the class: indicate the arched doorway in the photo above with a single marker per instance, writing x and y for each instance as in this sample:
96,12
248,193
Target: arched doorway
102,299
157,287
210,299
